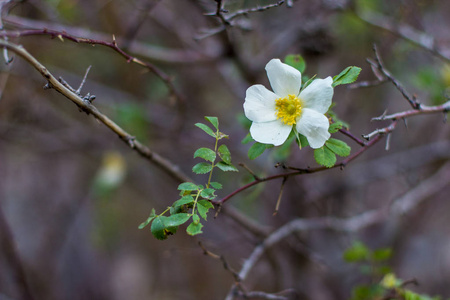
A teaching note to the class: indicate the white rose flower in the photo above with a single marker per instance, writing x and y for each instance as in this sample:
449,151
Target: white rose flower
274,114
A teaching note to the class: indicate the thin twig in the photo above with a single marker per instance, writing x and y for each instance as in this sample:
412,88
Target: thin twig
62,35
253,9
277,206
402,205
299,171
411,99
88,108
78,91
9,248
350,135
444,108
249,170
419,38
226,265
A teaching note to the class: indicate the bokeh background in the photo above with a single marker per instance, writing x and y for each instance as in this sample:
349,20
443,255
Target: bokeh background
72,194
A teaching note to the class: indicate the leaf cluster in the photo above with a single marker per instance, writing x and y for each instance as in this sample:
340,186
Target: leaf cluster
373,263
195,199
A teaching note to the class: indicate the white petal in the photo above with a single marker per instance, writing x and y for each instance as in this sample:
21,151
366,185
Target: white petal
284,79
259,105
274,132
314,126
318,95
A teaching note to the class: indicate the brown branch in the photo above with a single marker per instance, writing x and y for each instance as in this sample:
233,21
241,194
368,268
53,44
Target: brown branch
155,53
246,11
350,135
379,64
62,35
444,108
404,31
12,254
225,17
402,205
87,107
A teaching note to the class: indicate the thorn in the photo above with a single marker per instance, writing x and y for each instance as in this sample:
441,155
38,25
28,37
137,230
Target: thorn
388,142
60,37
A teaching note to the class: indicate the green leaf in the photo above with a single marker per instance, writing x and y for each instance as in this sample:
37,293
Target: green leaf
382,254
203,206
206,129
176,219
248,138
160,230
356,253
208,194
202,168
184,200
214,121
325,157
225,154
188,186
216,185
257,149
334,127
149,219
206,154
348,75
194,229
226,167
296,61
195,219
338,147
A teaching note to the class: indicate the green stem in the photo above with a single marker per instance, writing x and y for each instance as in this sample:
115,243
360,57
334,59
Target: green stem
212,163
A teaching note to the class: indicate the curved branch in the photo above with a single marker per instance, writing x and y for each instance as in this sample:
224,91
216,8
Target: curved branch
112,45
297,172
402,205
88,108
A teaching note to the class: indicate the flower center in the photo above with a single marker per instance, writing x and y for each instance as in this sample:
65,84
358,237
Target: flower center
288,109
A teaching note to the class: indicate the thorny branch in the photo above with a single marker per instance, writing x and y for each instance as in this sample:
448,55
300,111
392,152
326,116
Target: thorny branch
226,18
62,35
379,65
88,108
299,171
419,38
372,138
399,207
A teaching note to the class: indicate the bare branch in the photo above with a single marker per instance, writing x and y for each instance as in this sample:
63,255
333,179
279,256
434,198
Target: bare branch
88,108
419,38
444,108
155,53
402,205
253,9
83,81
113,45
411,99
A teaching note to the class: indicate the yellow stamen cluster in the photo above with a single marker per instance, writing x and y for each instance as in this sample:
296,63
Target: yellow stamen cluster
288,109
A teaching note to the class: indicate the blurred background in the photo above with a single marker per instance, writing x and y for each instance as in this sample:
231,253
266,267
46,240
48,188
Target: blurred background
72,194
